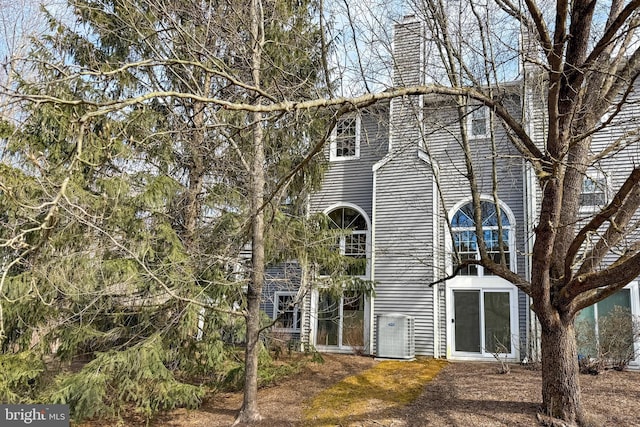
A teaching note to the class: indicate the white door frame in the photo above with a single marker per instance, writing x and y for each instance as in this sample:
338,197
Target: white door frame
340,348
482,284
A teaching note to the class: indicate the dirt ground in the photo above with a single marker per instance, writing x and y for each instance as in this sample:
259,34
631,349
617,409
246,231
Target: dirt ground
463,394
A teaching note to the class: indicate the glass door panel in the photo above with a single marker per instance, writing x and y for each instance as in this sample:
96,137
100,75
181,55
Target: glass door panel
615,325
467,321
608,305
353,319
328,319
605,326
340,319
497,322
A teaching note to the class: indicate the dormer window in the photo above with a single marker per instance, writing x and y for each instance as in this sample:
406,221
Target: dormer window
478,121
345,138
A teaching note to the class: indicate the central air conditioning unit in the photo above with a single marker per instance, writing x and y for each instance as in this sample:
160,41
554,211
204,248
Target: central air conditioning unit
395,336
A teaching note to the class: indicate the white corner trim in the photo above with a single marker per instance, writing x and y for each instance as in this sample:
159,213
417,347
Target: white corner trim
380,163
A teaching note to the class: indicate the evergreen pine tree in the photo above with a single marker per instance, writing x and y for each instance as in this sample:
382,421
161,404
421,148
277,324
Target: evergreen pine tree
125,194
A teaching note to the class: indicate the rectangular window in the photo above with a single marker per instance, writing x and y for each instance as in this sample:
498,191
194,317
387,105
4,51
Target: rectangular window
606,329
466,247
287,314
495,250
355,247
594,191
345,139
478,122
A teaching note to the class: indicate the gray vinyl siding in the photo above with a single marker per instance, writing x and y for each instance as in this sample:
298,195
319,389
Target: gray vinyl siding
351,181
618,164
283,277
404,244
623,130
442,130
403,217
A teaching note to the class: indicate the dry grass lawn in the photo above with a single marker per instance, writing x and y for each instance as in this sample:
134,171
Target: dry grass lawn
386,386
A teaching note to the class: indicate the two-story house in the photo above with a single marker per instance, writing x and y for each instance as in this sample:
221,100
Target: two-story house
397,179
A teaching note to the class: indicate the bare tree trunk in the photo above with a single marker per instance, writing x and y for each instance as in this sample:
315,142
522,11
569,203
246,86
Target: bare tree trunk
560,384
196,176
249,412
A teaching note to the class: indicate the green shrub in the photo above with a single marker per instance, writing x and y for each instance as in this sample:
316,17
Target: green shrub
20,376
116,381
270,371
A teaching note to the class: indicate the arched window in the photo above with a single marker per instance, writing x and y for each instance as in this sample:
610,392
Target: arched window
341,319
354,243
465,241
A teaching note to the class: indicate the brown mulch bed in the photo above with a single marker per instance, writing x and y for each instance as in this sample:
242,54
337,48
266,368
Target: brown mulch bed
474,394
280,405
463,394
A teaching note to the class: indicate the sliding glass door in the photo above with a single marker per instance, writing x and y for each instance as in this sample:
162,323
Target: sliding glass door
340,320
482,321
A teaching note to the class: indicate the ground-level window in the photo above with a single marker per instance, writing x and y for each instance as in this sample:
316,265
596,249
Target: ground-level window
340,319
607,329
286,313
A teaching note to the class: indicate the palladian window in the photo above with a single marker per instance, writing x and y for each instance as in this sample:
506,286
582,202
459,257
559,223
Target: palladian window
496,235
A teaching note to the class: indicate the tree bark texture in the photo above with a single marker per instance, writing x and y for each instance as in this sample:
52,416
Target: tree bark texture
560,382
249,412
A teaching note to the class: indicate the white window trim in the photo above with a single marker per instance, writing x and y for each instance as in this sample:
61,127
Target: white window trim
333,147
470,118
512,240
297,316
635,311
